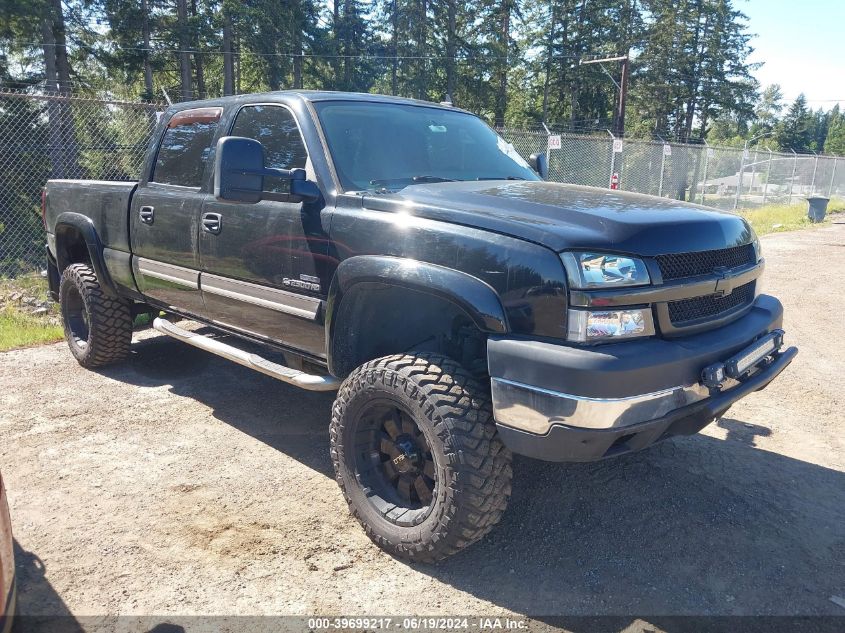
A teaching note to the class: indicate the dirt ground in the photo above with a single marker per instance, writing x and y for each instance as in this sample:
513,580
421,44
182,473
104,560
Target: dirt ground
179,483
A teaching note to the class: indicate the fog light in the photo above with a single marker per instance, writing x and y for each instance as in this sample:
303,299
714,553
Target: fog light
713,376
586,326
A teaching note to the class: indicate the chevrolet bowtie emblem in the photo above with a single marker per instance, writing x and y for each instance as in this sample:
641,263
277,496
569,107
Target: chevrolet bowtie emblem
724,284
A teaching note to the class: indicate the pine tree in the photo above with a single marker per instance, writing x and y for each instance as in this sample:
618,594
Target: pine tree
794,131
835,142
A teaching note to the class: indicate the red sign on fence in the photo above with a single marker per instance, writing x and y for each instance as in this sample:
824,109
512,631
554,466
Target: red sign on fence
614,181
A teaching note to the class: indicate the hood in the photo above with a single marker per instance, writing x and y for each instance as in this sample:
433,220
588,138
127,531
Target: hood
569,216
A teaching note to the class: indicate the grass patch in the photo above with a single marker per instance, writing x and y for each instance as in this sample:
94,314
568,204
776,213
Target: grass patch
18,326
18,329
774,218
32,285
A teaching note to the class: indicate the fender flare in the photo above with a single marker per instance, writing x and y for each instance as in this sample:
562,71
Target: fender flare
83,224
473,296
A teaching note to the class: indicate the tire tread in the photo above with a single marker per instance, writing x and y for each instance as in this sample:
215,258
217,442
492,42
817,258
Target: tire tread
460,412
110,320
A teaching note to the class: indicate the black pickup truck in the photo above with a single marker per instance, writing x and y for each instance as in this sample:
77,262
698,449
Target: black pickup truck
405,255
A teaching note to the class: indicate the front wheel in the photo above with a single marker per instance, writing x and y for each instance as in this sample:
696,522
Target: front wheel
416,454
98,328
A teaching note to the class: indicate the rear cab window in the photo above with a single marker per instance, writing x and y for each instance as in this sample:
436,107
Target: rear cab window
185,147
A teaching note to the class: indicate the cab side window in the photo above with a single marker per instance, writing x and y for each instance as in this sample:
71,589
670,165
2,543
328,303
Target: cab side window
275,128
185,147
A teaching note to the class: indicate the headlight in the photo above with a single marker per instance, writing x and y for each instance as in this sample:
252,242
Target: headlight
591,326
604,270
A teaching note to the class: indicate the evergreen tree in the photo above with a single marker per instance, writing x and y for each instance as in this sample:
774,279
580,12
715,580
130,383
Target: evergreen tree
794,132
835,141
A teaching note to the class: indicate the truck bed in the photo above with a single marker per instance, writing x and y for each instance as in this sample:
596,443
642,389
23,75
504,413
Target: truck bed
105,202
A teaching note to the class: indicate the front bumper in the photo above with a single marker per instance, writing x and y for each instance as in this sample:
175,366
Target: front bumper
563,403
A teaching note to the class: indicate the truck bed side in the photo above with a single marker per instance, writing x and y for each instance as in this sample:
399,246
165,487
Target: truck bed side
106,204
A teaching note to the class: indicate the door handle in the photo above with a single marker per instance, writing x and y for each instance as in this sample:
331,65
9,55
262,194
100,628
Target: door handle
147,215
212,223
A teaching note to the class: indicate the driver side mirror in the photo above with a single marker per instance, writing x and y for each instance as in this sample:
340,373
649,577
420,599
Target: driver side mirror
239,174
539,164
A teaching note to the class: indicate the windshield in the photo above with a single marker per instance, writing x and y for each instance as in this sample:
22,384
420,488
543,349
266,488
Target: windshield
389,146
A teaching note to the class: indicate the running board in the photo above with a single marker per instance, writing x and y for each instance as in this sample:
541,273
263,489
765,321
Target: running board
311,382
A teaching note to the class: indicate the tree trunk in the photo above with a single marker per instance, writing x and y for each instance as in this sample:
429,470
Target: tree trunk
297,31
337,27
297,60
274,69
62,64
693,82
237,62
577,47
51,84
394,45
198,60
148,69
451,49
51,77
549,59
504,46
184,46
422,79
228,60
64,153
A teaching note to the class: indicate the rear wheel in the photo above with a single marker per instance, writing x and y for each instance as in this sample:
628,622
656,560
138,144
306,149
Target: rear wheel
98,328
416,453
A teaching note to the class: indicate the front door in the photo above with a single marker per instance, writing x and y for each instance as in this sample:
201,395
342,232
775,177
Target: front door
165,210
263,264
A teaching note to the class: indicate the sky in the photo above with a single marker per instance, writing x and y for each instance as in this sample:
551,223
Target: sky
801,43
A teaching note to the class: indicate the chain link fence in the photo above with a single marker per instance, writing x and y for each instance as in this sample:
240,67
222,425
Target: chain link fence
46,136
722,177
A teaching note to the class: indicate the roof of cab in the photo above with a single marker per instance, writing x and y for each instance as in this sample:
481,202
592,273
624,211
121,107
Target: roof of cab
307,95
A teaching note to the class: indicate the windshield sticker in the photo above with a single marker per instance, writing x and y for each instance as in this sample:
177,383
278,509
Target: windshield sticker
510,151
438,129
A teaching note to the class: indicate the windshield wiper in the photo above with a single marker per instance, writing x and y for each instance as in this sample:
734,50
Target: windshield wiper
384,185
424,179
500,178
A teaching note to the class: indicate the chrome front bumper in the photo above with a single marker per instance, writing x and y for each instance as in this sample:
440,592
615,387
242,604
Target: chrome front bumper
571,403
535,409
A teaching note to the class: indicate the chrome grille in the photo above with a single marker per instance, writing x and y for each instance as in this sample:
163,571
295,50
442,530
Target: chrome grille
682,265
709,306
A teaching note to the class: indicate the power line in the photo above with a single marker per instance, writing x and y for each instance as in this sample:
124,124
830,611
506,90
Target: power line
291,55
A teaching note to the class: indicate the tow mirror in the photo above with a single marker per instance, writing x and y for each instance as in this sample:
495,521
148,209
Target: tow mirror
239,174
539,164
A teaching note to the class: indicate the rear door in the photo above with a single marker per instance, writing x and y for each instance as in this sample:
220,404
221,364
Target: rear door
263,265
164,213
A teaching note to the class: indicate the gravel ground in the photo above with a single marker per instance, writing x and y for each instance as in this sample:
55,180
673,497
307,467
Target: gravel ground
179,483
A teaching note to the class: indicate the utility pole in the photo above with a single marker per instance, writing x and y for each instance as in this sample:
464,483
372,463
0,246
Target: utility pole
619,114
619,119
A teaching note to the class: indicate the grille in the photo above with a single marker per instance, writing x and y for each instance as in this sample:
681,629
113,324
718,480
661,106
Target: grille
709,306
702,263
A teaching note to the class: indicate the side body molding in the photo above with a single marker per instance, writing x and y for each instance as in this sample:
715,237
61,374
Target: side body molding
69,222
475,297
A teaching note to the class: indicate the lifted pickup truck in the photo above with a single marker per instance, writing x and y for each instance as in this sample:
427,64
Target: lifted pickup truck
405,255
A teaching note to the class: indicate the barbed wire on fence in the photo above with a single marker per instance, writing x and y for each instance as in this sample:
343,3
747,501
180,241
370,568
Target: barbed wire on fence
48,135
